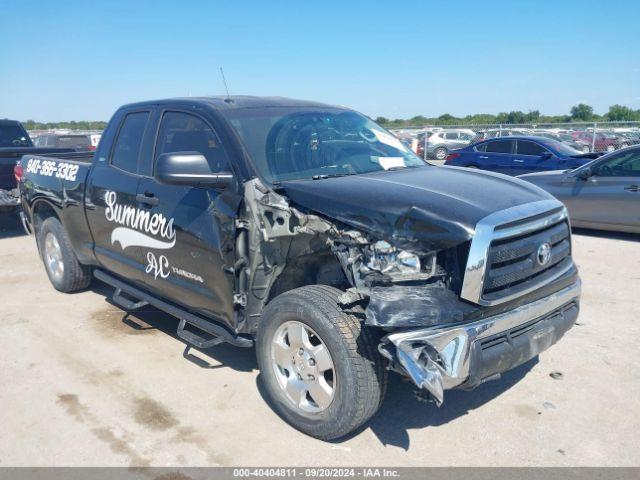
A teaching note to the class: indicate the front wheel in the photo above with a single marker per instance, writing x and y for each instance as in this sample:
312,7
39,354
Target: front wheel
441,153
320,366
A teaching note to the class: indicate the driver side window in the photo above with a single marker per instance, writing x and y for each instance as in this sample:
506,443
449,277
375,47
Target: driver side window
183,132
625,164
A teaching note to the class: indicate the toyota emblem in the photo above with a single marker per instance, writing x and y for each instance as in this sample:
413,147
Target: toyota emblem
544,254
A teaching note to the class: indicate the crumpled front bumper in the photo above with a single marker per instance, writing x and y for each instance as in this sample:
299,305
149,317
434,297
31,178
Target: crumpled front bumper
442,358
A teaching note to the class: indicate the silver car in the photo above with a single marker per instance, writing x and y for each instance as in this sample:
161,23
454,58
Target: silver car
441,142
603,194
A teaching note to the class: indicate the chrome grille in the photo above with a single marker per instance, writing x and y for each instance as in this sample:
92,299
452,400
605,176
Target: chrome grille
503,262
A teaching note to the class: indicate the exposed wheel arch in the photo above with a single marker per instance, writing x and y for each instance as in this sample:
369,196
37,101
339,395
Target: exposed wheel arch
42,210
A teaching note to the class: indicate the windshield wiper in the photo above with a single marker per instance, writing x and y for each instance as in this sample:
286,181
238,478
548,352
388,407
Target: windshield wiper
392,169
322,176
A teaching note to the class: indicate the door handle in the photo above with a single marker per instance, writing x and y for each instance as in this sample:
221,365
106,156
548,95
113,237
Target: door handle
147,199
482,156
518,160
632,188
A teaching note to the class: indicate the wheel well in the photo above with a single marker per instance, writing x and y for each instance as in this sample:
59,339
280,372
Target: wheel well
41,211
315,269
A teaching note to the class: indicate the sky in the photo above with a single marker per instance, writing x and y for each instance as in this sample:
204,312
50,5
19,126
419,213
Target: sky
80,60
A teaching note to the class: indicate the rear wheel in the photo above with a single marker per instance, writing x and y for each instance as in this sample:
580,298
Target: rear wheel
60,262
320,367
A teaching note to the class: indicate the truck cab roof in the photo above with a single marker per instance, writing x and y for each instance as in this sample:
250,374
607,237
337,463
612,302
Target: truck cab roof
232,102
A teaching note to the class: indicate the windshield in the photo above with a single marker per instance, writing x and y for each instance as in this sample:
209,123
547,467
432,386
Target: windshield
13,136
313,143
562,148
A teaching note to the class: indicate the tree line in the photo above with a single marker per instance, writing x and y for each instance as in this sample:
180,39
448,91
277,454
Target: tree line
578,113
72,125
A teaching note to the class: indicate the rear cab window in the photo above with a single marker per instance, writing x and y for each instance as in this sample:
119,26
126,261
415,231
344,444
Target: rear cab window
13,135
126,149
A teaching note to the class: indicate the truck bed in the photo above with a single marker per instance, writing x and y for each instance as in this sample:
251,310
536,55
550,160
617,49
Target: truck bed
59,180
10,155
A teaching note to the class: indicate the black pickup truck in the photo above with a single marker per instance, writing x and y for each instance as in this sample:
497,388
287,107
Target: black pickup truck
314,233
14,143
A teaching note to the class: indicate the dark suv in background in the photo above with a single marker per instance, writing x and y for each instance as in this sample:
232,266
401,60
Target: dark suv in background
78,142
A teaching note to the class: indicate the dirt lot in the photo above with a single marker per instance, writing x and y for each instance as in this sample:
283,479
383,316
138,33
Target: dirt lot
83,384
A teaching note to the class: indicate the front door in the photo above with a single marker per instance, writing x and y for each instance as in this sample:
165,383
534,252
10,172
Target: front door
611,195
529,158
193,265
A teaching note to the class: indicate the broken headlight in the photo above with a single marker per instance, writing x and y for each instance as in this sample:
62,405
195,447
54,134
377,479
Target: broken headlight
399,265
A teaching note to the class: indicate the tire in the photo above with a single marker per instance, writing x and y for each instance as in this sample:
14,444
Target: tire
358,377
440,153
65,272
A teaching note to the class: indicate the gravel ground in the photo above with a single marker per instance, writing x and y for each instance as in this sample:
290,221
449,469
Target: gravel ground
84,384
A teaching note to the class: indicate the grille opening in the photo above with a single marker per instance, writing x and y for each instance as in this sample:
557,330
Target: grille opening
519,258
520,253
517,283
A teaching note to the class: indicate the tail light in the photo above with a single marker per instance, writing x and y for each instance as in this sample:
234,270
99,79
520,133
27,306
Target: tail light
18,172
452,156
92,148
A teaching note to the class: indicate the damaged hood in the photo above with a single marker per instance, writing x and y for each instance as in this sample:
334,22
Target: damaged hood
428,208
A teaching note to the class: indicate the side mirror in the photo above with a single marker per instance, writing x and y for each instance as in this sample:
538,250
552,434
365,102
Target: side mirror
546,156
584,173
189,168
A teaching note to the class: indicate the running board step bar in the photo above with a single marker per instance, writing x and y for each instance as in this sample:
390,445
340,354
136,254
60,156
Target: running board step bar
219,333
125,302
196,340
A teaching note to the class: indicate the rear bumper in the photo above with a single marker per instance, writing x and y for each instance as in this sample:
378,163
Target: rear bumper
442,358
9,198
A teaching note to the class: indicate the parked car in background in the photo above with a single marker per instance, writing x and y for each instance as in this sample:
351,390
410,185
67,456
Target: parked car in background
604,194
14,143
519,155
439,143
499,132
603,141
565,138
633,137
79,142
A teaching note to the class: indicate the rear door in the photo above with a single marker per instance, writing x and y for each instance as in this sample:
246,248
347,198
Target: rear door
497,156
612,195
112,210
193,264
